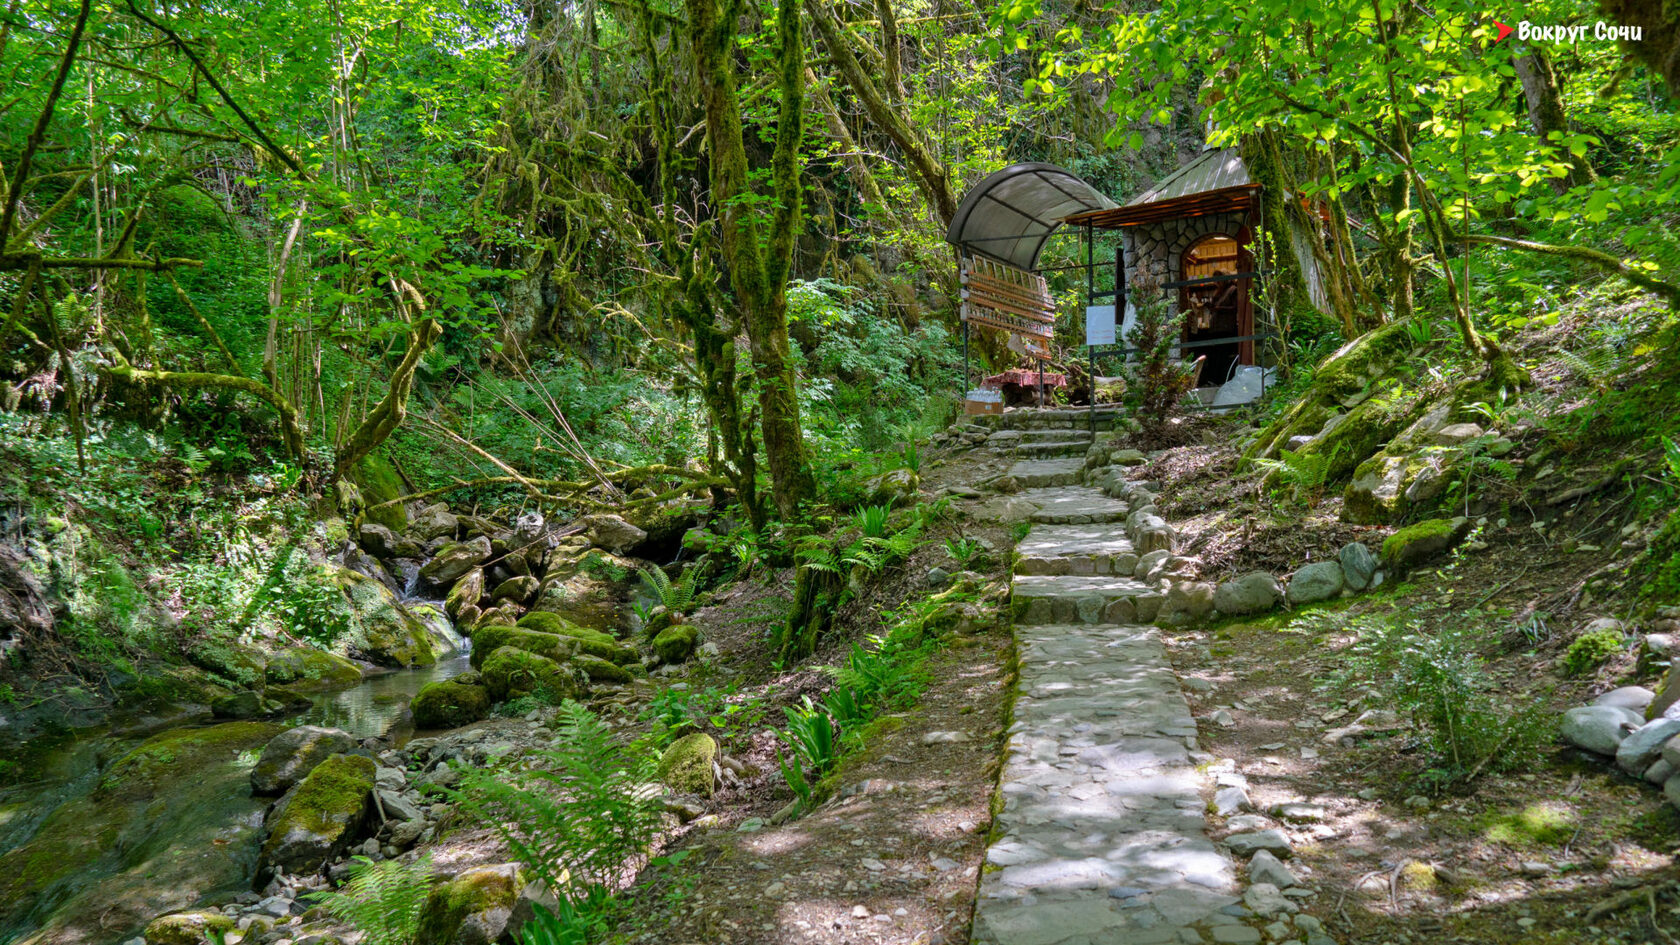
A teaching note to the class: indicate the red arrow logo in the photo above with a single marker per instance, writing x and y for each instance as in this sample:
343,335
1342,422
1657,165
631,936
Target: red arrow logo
1504,31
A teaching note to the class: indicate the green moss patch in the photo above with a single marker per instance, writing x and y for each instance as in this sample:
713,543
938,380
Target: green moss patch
159,760
686,766
307,669
510,672
1549,823
675,644
450,704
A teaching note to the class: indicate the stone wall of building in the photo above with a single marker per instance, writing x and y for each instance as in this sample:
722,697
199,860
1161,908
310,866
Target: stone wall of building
1154,251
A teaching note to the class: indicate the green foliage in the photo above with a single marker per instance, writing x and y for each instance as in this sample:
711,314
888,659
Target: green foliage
677,596
968,553
1591,650
872,520
578,815
1304,474
382,900
812,736
1158,378
579,920
1439,680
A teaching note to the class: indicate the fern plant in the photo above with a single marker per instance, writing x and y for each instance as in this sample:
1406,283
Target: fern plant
812,736
576,817
1304,474
383,900
872,520
1477,465
966,552
677,596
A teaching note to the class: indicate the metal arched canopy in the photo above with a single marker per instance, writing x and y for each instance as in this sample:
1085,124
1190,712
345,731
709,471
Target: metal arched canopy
1009,215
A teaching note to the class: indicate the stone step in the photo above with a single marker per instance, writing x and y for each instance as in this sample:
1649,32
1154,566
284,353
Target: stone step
1075,549
1041,473
1055,436
1042,599
1075,505
1051,448
1072,418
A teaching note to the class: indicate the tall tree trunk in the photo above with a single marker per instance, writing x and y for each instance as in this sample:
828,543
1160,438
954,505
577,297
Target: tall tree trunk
1546,115
759,262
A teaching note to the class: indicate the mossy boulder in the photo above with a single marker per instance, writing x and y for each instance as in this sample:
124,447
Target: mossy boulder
686,766
383,632
510,672
229,659
318,819
600,670
676,644
450,704
1346,380
307,669
471,908
291,755
245,704
1415,544
151,767
187,928
593,642
489,638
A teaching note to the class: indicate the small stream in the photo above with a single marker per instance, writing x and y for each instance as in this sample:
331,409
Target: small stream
193,838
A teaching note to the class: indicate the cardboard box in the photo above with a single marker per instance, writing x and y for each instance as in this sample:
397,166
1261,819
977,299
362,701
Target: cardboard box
983,403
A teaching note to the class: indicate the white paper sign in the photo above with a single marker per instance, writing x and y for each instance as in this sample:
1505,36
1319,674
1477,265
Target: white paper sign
1099,324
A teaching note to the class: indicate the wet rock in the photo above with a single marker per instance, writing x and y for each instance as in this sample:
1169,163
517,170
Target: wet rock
1599,728
1318,581
600,670
1359,565
317,820
383,631
187,928
612,533
454,560
450,704
1251,593
291,755
245,704
686,766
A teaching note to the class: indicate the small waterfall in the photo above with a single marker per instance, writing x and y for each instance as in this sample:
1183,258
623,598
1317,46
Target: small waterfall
408,570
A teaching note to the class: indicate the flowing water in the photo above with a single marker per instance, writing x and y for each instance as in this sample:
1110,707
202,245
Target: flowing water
192,837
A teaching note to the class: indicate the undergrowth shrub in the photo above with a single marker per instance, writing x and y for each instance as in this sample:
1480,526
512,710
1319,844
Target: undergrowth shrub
1438,680
1591,650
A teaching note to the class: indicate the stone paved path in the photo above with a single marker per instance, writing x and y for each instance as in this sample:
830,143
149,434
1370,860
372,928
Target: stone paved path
1102,838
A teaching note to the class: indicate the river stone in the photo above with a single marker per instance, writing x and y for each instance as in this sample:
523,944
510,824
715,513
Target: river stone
510,672
383,631
244,704
317,819
454,560
1632,698
449,704
1318,581
612,532
434,521
676,644
1359,565
307,669
187,928
1644,745
528,527
1251,593
385,544
291,755
1659,772
1266,868
1598,728
1244,844
1671,790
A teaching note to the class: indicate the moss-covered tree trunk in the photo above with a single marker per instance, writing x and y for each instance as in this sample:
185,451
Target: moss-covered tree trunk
759,257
